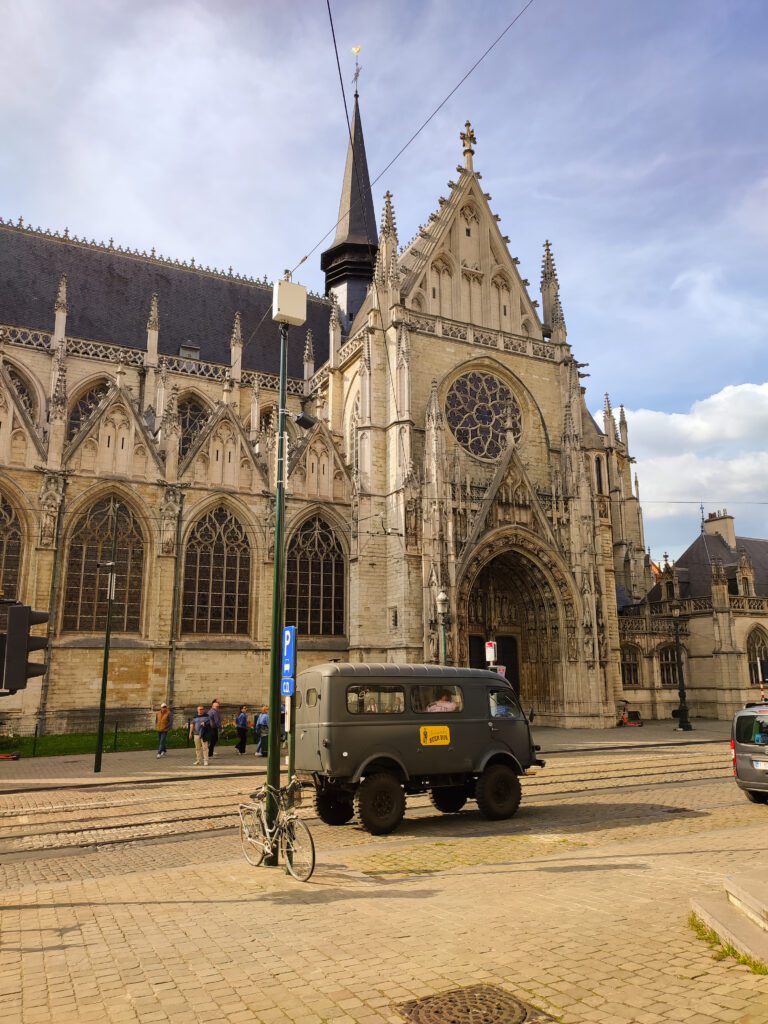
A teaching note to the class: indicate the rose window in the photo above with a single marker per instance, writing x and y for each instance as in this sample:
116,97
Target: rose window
479,408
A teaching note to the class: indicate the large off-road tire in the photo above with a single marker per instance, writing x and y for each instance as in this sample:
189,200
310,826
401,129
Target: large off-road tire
498,792
448,799
334,807
756,797
380,803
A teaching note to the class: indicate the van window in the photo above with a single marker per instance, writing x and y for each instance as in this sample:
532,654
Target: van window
436,698
502,704
752,729
376,699
297,699
311,697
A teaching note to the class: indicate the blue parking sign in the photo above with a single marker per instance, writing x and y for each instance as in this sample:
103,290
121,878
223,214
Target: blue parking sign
287,687
288,656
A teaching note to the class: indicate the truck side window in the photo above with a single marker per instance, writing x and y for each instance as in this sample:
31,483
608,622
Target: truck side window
311,697
503,704
376,699
436,698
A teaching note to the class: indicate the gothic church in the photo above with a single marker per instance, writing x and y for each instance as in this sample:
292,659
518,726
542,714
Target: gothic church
453,452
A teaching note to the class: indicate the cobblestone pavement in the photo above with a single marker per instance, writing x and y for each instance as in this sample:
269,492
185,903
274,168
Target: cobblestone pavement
578,905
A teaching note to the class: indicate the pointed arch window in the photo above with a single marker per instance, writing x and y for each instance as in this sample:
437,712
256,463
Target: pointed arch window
668,665
757,656
193,415
86,585
630,665
315,580
217,575
11,541
24,390
84,406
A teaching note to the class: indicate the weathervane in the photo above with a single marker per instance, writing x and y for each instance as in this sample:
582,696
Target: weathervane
358,69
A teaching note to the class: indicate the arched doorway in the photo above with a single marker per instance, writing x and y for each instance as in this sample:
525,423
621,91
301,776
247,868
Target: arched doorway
515,591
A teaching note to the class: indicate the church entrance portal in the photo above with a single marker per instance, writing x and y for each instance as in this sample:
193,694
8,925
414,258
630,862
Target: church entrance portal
514,602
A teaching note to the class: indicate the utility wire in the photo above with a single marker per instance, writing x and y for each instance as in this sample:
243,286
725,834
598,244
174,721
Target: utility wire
421,127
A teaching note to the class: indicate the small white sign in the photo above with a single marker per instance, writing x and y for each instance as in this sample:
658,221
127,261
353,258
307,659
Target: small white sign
490,651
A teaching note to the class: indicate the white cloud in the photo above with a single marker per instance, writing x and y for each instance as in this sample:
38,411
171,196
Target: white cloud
715,454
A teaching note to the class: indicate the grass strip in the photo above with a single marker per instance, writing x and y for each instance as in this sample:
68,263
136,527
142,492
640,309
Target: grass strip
723,950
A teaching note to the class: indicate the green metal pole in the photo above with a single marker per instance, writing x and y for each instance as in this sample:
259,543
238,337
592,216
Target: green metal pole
107,636
273,751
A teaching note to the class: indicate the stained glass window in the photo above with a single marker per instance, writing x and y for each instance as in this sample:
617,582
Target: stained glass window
478,408
10,554
86,586
668,665
757,655
314,597
217,575
23,389
84,406
193,416
630,665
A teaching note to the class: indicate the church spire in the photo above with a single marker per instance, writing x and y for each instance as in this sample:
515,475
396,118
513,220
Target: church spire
349,262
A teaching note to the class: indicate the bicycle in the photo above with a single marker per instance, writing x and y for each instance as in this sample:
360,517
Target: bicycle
289,835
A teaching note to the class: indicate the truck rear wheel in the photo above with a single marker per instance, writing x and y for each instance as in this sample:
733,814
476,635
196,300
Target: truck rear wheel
380,803
448,799
498,792
333,808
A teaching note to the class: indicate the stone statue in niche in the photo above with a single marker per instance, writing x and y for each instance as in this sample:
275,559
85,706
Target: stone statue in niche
169,516
432,643
51,493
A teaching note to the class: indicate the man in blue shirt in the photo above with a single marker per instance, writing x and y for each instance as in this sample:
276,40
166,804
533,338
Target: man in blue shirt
214,717
241,724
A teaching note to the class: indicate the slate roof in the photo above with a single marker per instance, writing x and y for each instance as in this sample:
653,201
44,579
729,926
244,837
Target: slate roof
109,294
695,565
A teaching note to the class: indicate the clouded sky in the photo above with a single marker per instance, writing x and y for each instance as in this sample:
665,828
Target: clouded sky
632,134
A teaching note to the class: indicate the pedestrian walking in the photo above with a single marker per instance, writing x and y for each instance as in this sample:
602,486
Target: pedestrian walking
214,717
162,725
199,730
262,732
241,724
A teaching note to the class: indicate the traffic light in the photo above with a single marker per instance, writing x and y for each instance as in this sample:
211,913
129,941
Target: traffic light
18,645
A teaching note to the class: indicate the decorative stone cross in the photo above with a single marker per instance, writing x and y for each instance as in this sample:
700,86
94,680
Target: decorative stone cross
469,139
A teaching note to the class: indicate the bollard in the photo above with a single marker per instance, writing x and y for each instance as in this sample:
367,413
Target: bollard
114,745
189,726
34,740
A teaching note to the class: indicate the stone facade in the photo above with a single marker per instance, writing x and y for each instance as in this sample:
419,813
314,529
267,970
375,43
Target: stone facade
453,453
719,589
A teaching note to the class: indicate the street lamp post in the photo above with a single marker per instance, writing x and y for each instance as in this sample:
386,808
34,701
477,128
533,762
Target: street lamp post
110,568
443,619
289,306
683,722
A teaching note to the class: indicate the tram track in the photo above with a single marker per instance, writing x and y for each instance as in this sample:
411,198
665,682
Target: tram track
72,825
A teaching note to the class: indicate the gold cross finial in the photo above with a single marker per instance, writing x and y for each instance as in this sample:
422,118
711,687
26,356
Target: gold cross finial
358,69
469,139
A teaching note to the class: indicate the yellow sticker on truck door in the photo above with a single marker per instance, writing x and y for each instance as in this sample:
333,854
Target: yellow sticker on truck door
435,735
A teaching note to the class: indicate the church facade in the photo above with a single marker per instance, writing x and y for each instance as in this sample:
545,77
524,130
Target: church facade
454,463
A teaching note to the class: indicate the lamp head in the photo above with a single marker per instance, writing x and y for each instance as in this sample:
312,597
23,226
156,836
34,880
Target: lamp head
442,602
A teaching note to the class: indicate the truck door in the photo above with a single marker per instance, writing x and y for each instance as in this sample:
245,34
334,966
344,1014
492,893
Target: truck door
439,729
507,723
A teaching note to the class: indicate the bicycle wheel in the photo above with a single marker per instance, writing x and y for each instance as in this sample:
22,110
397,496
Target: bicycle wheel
298,849
252,837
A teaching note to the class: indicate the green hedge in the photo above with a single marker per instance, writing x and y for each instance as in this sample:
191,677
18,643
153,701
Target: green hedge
85,742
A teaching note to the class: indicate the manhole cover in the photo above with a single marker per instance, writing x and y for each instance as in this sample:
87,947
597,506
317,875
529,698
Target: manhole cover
478,1004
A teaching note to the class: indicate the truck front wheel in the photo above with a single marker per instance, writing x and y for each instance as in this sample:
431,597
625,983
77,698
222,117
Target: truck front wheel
380,803
498,792
332,807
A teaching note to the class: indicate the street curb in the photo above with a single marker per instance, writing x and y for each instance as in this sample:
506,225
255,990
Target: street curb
155,781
